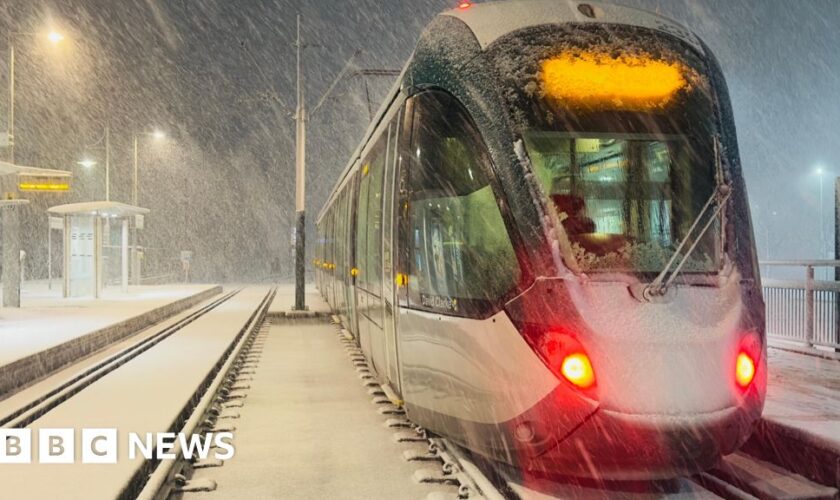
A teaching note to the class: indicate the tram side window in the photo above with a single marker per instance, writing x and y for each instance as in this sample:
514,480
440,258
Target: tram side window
369,229
462,259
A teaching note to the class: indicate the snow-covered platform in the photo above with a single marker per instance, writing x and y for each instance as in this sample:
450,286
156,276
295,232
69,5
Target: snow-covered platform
285,300
308,427
48,331
801,422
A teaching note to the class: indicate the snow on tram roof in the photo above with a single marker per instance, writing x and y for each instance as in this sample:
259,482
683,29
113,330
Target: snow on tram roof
492,20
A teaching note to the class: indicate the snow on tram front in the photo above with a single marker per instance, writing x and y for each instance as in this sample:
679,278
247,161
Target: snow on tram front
571,255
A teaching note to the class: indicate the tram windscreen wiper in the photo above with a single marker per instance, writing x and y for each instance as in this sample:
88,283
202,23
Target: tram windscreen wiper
659,286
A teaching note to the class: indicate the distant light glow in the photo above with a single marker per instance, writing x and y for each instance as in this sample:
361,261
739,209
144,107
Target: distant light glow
55,37
86,163
578,370
602,81
744,370
158,134
464,5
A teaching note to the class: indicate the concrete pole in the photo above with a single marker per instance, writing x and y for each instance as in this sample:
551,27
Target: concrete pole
134,177
135,264
124,255
300,184
11,127
822,221
49,255
65,255
837,257
11,256
107,163
97,257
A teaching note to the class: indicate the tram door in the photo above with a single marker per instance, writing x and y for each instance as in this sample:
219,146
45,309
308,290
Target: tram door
389,252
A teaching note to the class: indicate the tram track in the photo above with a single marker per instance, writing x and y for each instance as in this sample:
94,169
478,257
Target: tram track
40,405
158,480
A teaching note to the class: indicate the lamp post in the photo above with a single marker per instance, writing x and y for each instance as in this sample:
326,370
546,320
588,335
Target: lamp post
157,135
88,163
822,211
54,37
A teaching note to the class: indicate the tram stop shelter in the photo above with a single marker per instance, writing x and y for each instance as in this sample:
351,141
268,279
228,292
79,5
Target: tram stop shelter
86,235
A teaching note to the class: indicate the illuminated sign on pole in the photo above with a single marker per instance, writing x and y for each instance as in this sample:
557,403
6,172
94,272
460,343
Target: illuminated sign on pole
43,183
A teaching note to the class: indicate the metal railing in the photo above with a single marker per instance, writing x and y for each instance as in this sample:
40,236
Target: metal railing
804,311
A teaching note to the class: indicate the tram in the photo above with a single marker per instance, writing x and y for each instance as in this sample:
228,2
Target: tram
543,244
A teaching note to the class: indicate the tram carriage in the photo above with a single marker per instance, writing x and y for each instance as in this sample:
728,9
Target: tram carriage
543,243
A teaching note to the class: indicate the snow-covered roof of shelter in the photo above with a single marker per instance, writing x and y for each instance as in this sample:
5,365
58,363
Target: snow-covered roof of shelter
7,168
489,21
100,208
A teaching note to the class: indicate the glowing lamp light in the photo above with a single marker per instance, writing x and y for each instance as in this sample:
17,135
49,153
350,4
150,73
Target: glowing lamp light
602,81
744,370
464,5
55,37
578,370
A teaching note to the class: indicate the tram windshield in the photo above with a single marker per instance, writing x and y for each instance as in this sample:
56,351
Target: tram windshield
619,129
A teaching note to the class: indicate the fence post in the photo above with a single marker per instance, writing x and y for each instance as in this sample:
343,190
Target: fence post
809,306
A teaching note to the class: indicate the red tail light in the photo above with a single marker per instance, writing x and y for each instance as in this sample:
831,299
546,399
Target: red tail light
464,5
566,358
747,360
577,369
744,370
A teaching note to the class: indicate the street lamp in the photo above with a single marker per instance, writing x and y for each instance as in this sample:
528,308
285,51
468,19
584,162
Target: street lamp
157,135
819,172
54,37
87,162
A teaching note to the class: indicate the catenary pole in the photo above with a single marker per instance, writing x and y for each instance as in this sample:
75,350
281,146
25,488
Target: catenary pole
11,127
300,182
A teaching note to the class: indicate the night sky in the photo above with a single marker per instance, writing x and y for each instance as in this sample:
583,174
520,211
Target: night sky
218,76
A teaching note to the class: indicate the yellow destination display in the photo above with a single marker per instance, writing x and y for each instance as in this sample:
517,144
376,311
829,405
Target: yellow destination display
602,81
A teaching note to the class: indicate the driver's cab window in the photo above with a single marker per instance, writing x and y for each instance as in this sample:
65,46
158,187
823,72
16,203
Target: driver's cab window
462,259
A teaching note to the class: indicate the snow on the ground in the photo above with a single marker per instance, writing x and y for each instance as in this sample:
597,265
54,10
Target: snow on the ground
45,319
804,392
144,395
308,429
285,299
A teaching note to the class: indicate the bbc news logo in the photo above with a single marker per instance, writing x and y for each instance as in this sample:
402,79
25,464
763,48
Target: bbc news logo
100,446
